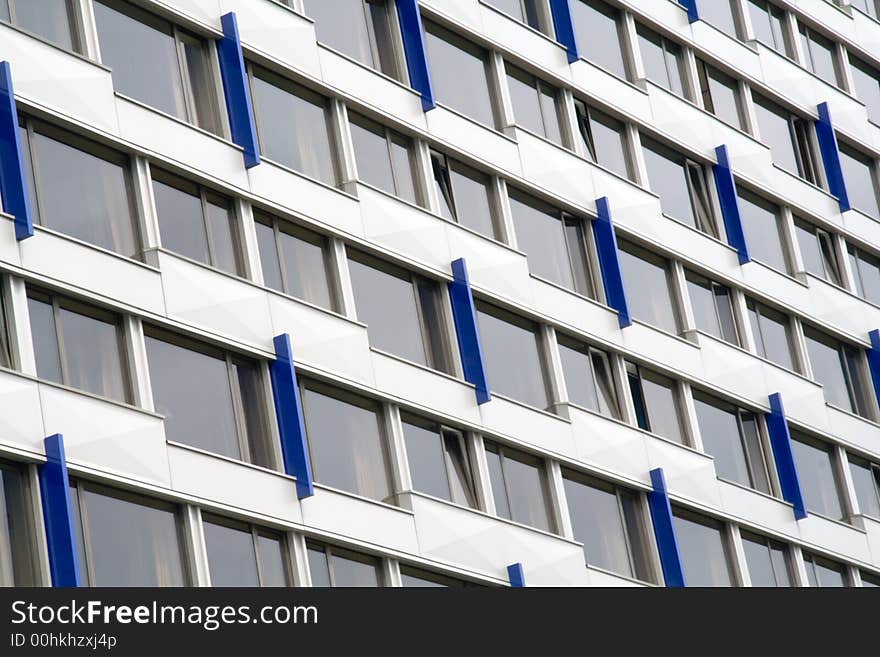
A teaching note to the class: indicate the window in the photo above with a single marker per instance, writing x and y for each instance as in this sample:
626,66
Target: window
705,555
5,348
366,33
824,573
418,578
866,272
53,20
404,312
681,184
124,539
598,31
17,567
555,242
790,139
720,92
712,307
529,12
656,403
772,333
604,138
816,472
648,286
867,86
768,24
767,561
196,222
294,260
293,125
385,158
78,345
459,73
817,251
866,481
732,437
819,55
534,103
332,566
663,60
860,175
519,486
243,555
867,6
763,230
346,443
588,377
188,377
608,520
158,63
840,369
465,194
721,14
502,334
81,189
438,461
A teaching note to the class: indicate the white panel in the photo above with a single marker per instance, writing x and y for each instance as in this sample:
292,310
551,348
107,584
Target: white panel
597,83
206,11
472,137
852,430
576,311
828,15
464,11
547,432
556,169
835,536
872,528
757,509
656,345
21,423
529,44
491,265
9,252
688,473
611,445
726,48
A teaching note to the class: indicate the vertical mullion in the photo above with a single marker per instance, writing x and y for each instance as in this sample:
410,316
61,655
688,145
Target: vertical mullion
87,577
62,352
188,100
203,199
423,325
282,267
255,540
237,410
627,537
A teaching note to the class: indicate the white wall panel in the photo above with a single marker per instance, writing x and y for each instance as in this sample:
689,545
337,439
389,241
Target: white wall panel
21,424
555,169
9,251
611,445
689,474
471,137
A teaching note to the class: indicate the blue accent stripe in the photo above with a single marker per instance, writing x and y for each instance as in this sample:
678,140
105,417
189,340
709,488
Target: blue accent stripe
13,179
58,515
780,441
465,316
664,531
516,575
288,410
831,157
564,27
237,91
609,262
692,11
413,34
729,202
874,360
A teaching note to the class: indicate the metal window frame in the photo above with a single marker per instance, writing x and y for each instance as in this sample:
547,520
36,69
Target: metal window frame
29,521
634,377
389,135
757,307
811,37
722,526
768,542
255,531
330,551
588,350
533,460
75,24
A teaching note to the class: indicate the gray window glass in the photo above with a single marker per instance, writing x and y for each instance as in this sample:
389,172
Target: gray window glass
82,190
597,28
5,352
417,578
270,549
402,311
45,339
859,173
819,54
655,401
711,307
232,560
720,93
293,126
534,103
438,461
503,334
17,566
662,60
52,20
719,13
817,251
774,124
762,229
525,11
866,272
815,468
768,24
767,561
867,6
519,486
838,367
866,481
458,74
869,581
331,566
384,157
604,138
730,435
704,551
464,193
588,377
867,86
128,540
345,442
607,520
648,289
772,333
824,573
554,242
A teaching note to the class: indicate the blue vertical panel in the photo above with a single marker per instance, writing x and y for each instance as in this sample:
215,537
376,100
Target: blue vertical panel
237,91
413,34
609,262
664,531
727,198
516,575
13,180
691,6
831,157
780,441
58,515
288,410
874,360
564,27
465,317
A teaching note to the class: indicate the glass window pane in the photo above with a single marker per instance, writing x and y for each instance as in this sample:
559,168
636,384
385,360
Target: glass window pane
496,479
867,86
525,489
646,278
181,224
824,573
858,172
588,378
817,251
760,220
766,561
45,340
597,31
17,566
771,331
720,93
816,473
711,307
703,551
540,233
50,19
661,403
609,139
828,368
415,578
269,256
461,477
667,176
249,386
524,97
869,581
866,271
773,123
93,354
354,572
431,304
221,220
401,156
305,266
200,74
819,54
231,557
767,23
866,481
424,451
319,568
720,14
473,206
371,150
272,572
350,36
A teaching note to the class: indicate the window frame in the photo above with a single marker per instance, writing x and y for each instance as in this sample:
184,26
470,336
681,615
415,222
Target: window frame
643,32
256,532
634,375
75,24
540,87
584,119
826,247
812,559
705,72
853,380
772,12
759,308
330,550
810,38
442,165
829,448
30,518
591,352
390,135
728,550
504,453
767,542
874,470
692,277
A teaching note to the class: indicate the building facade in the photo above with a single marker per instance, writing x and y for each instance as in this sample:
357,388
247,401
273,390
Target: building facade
440,292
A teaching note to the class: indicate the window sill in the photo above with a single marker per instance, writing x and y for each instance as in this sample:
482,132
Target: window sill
495,10
95,247
670,441
516,127
696,230
663,332
627,578
491,129
360,498
228,459
424,368
299,174
321,309
176,119
55,46
569,291
786,275
202,265
526,406
837,521
741,486
608,72
390,195
851,414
